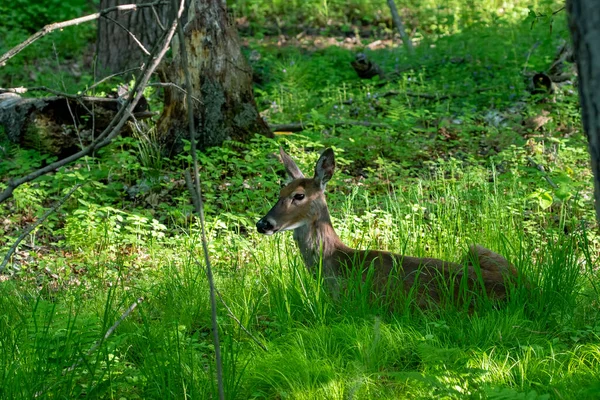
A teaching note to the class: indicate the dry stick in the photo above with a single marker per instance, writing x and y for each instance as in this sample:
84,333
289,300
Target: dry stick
173,85
543,171
107,334
76,97
200,211
232,315
434,96
110,77
400,25
113,129
158,21
60,25
531,50
135,39
95,346
31,227
188,179
300,126
190,184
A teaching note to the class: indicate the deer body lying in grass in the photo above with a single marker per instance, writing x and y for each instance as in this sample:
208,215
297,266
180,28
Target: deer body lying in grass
302,208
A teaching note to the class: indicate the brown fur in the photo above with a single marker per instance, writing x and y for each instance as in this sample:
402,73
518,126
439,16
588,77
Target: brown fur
320,245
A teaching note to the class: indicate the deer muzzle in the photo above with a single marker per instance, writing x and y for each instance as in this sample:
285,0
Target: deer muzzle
264,226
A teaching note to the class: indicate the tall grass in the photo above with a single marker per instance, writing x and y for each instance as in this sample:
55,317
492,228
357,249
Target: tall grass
543,340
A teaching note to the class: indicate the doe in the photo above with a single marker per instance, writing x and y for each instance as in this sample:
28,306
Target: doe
302,208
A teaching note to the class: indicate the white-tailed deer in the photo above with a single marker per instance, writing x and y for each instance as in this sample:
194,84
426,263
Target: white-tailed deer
302,208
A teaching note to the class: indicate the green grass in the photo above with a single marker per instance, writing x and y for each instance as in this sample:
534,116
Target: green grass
444,174
543,342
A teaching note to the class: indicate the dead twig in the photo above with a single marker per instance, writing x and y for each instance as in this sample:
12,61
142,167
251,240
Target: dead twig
531,50
114,128
135,39
34,225
110,77
108,333
60,25
158,21
232,315
173,85
430,96
300,126
543,171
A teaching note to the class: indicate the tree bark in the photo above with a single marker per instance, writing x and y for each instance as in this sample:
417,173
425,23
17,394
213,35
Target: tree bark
117,49
584,23
224,108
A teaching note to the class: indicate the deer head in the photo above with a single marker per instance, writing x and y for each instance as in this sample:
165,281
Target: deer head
302,200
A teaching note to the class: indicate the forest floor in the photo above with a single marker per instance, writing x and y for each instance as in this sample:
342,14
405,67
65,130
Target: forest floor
459,150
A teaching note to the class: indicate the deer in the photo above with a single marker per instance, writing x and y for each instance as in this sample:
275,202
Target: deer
302,208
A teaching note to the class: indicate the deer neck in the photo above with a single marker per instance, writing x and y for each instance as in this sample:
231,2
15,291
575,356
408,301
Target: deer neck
318,239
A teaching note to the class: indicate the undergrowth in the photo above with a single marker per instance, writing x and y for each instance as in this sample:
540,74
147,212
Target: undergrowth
441,174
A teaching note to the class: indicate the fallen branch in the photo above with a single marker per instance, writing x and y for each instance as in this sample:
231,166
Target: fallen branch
22,90
300,126
114,128
60,25
34,225
433,96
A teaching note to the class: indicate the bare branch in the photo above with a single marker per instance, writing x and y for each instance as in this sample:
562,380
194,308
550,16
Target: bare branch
108,333
60,25
541,168
110,77
232,315
158,21
135,39
23,90
173,85
34,225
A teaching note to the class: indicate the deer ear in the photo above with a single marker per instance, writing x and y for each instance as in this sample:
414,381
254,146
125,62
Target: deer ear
290,166
324,168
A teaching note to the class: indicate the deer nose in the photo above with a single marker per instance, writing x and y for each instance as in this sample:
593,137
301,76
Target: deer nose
264,226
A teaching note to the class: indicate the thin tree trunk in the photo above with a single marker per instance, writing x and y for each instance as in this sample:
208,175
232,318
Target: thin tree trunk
399,25
584,23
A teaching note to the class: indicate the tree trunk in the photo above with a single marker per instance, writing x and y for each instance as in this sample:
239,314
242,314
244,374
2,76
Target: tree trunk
224,105
584,23
117,49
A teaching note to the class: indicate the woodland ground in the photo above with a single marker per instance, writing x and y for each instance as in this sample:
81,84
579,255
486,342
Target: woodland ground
442,173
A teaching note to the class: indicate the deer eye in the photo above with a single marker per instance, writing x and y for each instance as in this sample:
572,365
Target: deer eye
299,196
